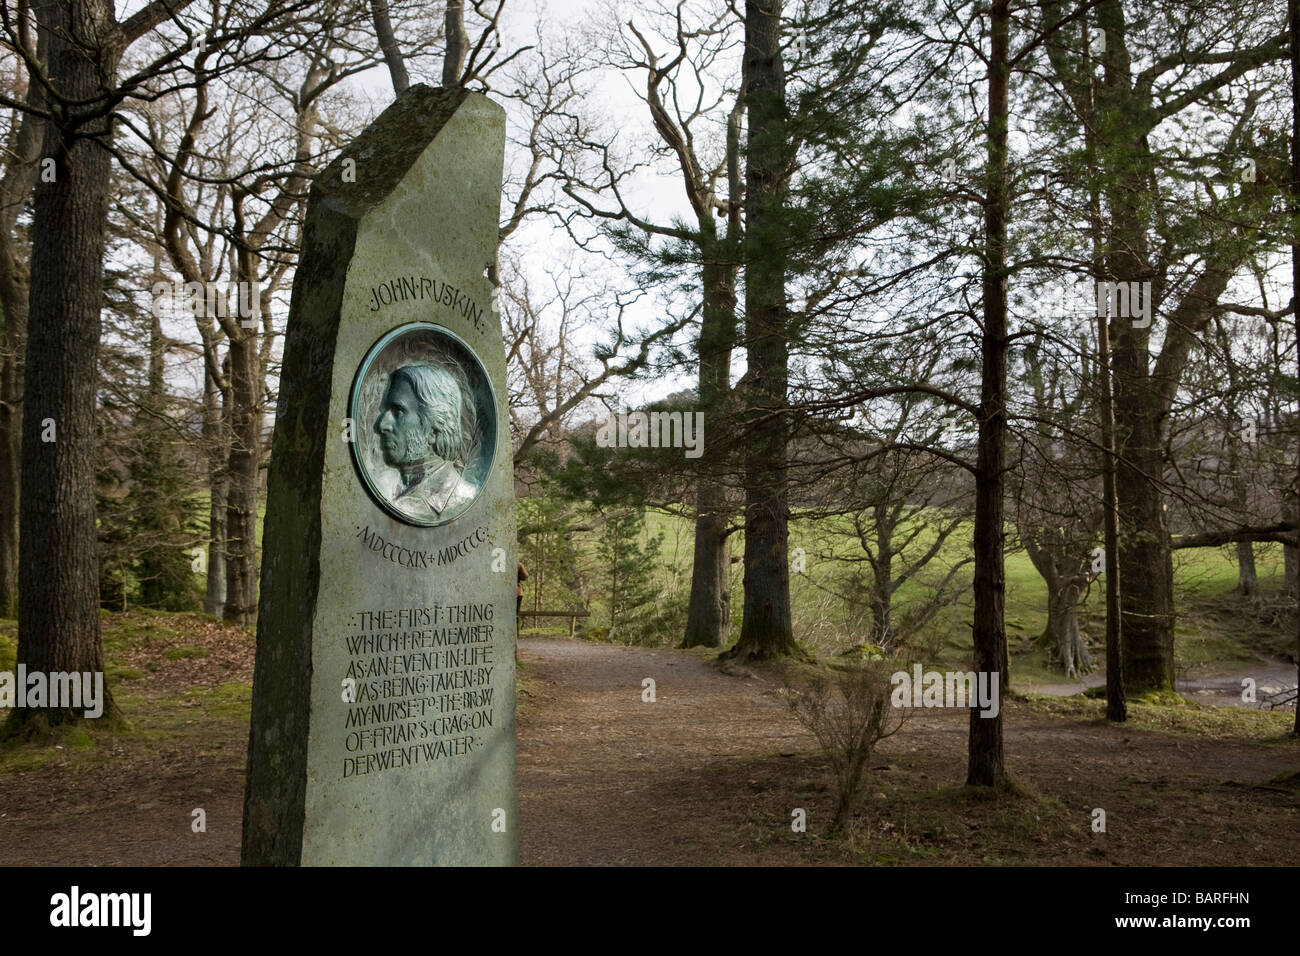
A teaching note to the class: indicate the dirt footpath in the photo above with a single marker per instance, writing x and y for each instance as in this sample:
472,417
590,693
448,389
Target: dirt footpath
709,773
609,778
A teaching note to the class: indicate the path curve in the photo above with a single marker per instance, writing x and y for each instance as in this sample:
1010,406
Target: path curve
607,778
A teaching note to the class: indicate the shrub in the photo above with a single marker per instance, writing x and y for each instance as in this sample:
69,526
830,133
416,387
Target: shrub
848,711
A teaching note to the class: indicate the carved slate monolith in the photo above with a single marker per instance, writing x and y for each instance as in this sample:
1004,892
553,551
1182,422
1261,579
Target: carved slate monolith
383,697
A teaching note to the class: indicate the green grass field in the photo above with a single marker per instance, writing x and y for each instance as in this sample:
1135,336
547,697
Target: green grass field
1215,628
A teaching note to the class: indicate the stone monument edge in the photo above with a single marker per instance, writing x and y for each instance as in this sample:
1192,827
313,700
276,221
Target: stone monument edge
276,780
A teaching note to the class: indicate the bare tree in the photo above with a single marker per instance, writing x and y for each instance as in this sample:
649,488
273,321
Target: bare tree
260,206
388,44
1123,109
26,133
550,377
687,65
1053,487
58,574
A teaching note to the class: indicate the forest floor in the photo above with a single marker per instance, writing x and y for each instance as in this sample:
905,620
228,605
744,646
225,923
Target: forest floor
711,772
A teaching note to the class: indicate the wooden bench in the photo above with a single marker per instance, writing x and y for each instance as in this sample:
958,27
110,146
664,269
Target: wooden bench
571,615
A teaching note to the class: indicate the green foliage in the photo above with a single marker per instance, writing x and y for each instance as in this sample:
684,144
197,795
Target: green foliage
557,578
627,477
144,491
9,645
164,525
1172,713
146,530
562,540
628,559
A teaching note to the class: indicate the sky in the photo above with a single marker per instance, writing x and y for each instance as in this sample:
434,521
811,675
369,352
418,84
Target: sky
538,243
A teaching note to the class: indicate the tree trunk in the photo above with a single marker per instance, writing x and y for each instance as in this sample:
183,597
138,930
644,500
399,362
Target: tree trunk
15,288
457,43
1247,579
766,630
155,572
58,577
708,617
243,478
1116,700
986,767
882,613
1065,580
882,570
1063,619
13,296
1145,560
388,43
1293,22
215,437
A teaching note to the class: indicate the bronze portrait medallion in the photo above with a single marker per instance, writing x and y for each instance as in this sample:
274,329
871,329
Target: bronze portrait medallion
424,421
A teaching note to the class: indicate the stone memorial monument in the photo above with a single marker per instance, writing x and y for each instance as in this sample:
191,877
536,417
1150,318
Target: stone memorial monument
383,697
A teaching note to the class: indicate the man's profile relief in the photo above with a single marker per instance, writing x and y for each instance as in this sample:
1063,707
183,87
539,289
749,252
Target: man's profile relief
425,419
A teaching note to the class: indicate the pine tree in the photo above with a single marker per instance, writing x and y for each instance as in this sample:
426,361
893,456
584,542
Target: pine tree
628,559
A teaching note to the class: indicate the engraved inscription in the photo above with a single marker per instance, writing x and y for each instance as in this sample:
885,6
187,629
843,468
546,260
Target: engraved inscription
425,685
